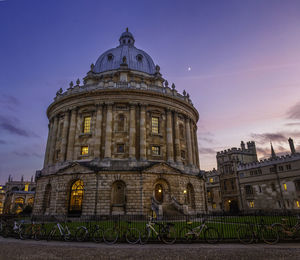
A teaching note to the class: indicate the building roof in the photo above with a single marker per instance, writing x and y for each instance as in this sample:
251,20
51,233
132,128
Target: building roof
125,53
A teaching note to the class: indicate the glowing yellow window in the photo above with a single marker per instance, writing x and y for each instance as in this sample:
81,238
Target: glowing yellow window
155,150
214,205
84,150
298,204
251,204
211,180
155,125
284,186
26,187
87,124
1,188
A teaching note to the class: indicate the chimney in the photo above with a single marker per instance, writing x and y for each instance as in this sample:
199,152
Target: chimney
292,147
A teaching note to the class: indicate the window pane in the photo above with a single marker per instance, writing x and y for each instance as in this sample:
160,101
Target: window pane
155,150
155,125
87,125
84,150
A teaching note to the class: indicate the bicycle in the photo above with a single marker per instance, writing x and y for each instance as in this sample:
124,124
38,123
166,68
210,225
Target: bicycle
211,235
249,233
12,229
33,230
63,232
284,230
111,235
95,233
166,232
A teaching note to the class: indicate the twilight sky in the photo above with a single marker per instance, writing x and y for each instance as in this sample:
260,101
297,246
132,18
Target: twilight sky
244,58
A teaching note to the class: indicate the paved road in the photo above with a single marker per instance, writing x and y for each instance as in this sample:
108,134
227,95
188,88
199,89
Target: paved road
30,249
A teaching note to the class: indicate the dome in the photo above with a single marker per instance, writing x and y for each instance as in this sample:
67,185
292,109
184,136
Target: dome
125,54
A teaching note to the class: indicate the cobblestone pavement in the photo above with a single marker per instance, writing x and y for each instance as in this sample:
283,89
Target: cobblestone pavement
30,249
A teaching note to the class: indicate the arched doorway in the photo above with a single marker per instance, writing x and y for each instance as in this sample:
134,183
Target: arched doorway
118,193
190,195
76,197
159,193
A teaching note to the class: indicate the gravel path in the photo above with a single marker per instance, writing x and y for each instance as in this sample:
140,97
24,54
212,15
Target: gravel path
29,249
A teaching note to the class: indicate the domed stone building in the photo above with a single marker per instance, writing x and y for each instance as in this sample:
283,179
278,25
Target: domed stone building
123,142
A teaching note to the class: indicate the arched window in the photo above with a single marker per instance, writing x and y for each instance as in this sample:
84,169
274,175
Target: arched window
19,205
121,123
76,196
30,201
118,193
190,195
19,201
159,193
181,131
47,197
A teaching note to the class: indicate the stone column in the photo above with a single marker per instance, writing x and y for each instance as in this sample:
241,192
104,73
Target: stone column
132,131
108,134
72,131
189,141
177,139
193,142
53,140
98,132
196,146
50,129
170,152
143,154
64,137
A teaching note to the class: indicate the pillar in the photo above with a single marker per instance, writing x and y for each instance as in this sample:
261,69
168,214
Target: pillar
53,140
143,153
108,131
188,141
64,137
50,129
98,132
170,152
177,139
72,131
132,132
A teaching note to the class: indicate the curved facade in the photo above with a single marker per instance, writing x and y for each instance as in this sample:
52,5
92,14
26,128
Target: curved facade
120,134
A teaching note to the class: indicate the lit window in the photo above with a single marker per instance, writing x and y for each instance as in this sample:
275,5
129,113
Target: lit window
155,125
120,148
251,204
84,150
284,186
87,124
211,180
26,187
298,204
76,197
208,194
1,187
155,150
214,205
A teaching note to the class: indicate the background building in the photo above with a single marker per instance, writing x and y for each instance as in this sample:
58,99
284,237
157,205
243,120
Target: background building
124,142
271,184
17,195
213,191
227,163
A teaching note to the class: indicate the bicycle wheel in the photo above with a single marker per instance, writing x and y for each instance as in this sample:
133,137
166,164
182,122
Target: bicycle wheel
98,235
245,234
25,232
269,235
132,235
211,235
144,236
186,234
40,233
110,236
280,230
168,236
81,234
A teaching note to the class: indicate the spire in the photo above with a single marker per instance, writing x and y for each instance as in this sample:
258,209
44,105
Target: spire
273,155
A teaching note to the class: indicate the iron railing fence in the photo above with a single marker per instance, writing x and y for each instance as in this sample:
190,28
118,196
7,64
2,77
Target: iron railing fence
227,226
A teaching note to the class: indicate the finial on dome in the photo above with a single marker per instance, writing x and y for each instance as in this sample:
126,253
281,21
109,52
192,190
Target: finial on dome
184,92
166,83
77,82
173,86
71,84
92,66
126,29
